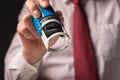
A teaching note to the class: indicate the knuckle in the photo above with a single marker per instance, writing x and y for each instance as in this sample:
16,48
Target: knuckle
26,3
21,27
26,18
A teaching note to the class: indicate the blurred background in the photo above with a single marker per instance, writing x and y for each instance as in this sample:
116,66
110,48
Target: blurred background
9,11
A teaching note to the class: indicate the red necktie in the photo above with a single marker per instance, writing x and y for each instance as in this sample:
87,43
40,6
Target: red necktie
85,68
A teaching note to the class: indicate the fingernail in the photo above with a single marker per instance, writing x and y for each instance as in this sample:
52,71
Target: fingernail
45,3
36,13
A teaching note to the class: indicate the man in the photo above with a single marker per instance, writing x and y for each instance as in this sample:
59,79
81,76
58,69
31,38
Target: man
27,58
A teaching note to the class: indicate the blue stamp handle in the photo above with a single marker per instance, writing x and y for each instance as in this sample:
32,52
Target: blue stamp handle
45,12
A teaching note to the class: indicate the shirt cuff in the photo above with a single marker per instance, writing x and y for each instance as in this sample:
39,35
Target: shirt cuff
27,70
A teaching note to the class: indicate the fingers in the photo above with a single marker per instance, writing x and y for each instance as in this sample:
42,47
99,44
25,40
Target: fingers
59,13
34,10
43,3
33,7
26,28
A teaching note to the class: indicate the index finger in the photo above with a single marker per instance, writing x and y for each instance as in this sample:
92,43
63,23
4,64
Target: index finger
32,6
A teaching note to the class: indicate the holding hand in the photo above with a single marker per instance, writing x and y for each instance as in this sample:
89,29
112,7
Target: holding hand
33,46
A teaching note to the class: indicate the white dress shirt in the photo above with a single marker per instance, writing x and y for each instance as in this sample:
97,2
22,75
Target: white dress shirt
104,22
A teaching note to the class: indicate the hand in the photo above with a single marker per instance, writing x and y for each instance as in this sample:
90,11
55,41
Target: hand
33,8
33,46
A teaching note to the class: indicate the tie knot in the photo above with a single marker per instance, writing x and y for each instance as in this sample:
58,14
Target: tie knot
76,1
